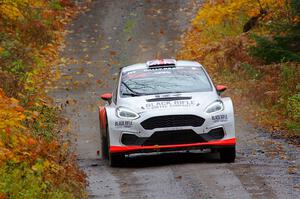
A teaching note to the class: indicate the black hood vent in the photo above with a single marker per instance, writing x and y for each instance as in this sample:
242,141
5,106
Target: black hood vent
168,99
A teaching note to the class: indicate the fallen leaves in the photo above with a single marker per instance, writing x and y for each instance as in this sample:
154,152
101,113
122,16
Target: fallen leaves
112,53
100,82
161,31
105,47
90,75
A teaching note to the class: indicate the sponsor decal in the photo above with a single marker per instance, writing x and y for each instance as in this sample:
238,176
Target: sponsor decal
170,104
162,72
123,124
219,118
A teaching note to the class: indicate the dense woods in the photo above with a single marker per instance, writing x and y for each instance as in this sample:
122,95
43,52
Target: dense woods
253,47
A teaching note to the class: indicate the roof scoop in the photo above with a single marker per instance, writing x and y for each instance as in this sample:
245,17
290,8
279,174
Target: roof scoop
161,63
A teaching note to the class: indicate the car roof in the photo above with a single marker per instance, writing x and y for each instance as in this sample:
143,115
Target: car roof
181,63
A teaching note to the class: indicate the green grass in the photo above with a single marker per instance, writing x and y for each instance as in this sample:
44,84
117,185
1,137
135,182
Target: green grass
20,181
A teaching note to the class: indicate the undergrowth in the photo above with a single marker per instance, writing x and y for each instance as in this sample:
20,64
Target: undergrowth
34,161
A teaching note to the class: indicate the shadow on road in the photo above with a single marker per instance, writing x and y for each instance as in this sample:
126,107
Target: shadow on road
155,160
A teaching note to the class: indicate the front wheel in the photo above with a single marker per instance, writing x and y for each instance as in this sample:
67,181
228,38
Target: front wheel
104,147
116,159
227,154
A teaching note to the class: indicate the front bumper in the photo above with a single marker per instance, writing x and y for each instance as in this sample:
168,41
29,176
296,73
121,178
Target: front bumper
164,136
156,148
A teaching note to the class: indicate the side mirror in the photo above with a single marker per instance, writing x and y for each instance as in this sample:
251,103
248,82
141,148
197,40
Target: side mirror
106,96
220,88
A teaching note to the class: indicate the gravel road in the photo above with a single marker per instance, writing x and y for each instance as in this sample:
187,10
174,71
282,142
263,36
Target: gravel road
115,33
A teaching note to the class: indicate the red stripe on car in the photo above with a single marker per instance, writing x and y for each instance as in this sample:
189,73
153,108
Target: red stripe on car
119,149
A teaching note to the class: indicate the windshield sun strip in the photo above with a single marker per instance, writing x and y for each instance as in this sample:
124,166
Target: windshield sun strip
135,93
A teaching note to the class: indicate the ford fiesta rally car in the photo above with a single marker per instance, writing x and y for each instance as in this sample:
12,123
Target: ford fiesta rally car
166,105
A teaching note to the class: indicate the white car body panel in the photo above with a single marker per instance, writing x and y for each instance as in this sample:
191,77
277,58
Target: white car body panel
196,105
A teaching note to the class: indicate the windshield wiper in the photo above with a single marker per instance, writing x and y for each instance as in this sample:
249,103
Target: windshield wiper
133,93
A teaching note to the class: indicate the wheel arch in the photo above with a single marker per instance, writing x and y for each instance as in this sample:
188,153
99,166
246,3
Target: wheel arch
102,120
229,110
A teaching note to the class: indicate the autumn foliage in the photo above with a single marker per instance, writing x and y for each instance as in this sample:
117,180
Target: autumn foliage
34,161
253,46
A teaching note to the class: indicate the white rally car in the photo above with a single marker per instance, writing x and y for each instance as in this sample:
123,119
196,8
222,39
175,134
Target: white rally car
166,105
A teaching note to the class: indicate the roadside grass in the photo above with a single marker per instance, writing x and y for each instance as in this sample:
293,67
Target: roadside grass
261,67
34,161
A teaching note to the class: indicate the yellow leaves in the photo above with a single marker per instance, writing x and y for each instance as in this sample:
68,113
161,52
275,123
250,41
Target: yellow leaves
9,9
55,168
216,20
13,9
47,164
1,49
253,13
36,3
218,13
11,114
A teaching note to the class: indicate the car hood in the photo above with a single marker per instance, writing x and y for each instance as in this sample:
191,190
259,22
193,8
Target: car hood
168,102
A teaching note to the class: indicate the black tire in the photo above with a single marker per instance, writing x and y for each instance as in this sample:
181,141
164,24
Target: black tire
227,154
116,159
104,143
104,147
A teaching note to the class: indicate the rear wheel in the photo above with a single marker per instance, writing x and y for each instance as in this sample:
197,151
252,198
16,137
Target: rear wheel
227,154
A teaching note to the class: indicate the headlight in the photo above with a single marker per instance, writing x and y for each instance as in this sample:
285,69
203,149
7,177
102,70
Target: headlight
215,107
126,113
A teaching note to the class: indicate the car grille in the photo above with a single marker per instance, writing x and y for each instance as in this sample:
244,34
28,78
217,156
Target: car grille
172,137
172,121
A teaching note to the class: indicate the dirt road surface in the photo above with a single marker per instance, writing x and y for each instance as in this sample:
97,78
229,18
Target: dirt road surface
116,33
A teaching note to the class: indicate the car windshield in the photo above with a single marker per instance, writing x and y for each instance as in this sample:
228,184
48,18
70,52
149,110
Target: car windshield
164,80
